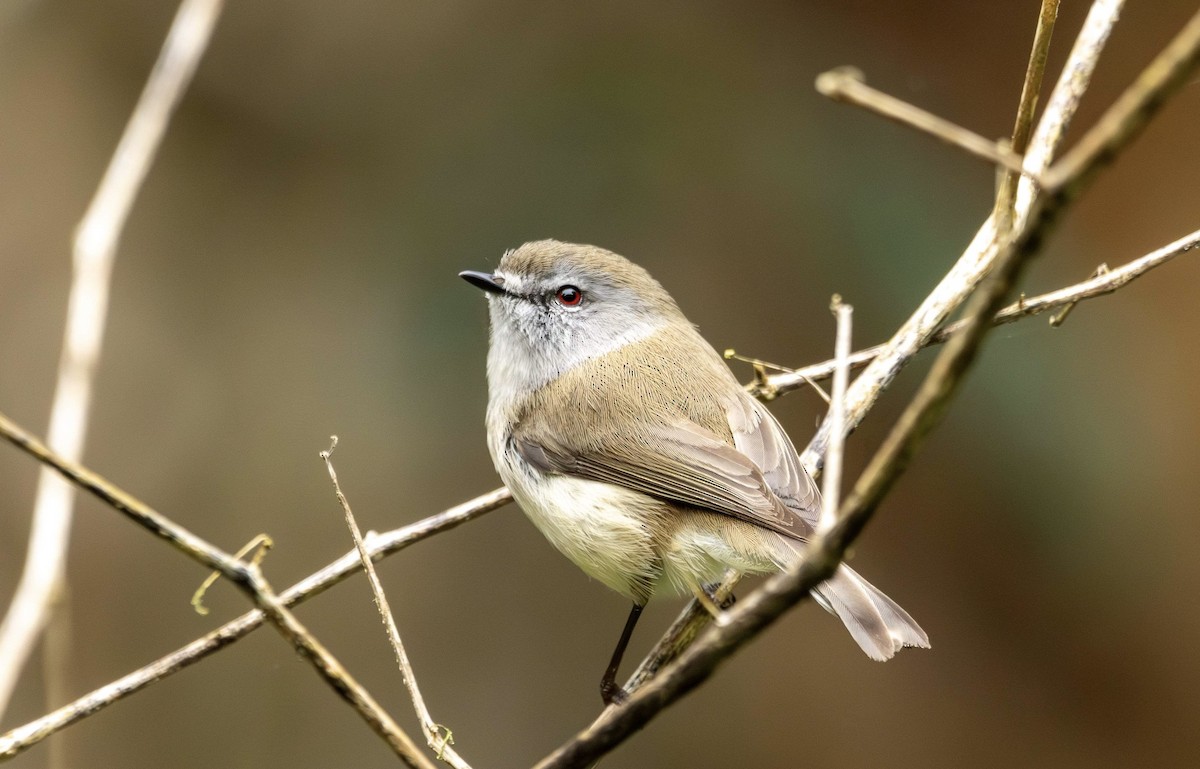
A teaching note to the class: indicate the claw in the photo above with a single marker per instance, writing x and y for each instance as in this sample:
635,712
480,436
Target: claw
612,693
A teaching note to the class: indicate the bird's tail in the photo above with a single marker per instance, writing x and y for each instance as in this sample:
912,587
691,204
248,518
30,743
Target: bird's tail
875,621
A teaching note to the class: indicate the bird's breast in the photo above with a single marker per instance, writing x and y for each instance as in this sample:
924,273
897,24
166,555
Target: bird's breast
607,531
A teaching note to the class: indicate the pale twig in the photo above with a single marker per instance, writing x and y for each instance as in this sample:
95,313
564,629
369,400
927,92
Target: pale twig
1098,285
248,577
846,84
439,737
832,482
379,545
94,251
761,386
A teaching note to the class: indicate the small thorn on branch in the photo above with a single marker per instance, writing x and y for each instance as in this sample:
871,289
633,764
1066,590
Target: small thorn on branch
1059,317
762,387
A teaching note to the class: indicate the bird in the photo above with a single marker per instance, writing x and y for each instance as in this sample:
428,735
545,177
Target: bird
630,444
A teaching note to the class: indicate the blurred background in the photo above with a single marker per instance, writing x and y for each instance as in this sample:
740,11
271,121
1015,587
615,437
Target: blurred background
288,272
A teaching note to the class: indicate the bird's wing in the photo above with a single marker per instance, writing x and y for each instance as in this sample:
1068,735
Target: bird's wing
684,463
760,437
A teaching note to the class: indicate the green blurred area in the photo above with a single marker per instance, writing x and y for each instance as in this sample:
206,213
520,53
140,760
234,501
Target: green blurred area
289,272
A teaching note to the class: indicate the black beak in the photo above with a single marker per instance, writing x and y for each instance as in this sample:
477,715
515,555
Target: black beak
486,281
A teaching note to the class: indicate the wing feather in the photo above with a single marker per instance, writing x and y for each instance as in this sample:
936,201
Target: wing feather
681,463
694,440
758,435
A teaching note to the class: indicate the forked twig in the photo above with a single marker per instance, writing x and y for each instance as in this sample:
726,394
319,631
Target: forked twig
378,545
983,252
248,577
259,545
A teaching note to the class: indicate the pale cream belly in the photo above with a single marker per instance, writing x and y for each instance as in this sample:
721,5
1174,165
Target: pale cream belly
603,529
636,544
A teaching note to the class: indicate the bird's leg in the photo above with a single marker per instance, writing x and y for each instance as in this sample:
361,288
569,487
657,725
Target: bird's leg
610,691
711,591
705,599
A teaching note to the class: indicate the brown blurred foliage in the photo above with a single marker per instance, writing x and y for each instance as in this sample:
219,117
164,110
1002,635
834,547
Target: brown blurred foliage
289,272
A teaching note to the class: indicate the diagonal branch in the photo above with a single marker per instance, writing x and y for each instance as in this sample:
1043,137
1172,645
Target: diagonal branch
1035,70
378,545
247,577
831,488
1128,116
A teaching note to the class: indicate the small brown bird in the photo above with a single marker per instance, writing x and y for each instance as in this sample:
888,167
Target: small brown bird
629,443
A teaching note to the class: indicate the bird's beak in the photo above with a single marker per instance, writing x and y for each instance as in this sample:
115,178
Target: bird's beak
493,284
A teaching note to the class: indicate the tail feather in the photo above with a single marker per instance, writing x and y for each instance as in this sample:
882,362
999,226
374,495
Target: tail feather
877,623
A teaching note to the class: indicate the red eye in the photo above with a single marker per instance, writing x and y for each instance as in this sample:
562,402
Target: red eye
569,296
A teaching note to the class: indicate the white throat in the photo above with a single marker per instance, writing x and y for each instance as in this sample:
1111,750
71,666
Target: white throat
517,369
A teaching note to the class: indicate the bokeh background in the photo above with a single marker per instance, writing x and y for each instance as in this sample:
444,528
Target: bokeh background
289,272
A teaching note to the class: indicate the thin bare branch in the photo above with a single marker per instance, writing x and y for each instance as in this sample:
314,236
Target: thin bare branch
379,546
438,737
1098,285
248,577
846,84
832,482
183,540
1035,71
332,671
95,249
